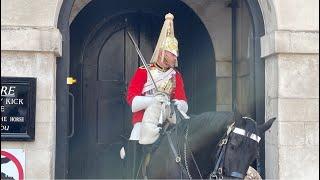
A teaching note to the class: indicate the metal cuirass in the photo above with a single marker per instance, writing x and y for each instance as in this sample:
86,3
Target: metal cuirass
165,80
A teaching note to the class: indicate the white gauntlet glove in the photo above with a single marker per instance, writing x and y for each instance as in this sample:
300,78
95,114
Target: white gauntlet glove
162,97
141,102
181,105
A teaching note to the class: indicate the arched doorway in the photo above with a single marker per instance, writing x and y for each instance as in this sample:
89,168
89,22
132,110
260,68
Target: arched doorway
103,60
89,32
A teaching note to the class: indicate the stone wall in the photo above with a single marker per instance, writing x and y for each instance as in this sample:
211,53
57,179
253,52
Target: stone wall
217,18
30,43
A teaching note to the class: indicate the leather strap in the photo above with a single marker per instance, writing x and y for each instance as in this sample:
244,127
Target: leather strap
177,157
243,133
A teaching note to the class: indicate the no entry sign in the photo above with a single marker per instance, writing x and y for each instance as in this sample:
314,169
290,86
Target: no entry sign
12,163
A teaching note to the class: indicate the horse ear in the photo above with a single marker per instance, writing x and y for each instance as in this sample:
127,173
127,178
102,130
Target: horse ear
262,128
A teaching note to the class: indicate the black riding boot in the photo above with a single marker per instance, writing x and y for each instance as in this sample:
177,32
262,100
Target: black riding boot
132,159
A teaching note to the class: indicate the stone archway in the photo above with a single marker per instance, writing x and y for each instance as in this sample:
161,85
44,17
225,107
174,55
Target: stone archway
62,72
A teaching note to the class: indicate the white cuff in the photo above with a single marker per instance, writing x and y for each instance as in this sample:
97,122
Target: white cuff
141,102
182,105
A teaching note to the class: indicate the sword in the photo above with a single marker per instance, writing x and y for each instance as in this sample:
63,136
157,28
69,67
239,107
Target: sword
142,59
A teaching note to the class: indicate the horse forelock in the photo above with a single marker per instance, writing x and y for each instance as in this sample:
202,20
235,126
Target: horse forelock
245,123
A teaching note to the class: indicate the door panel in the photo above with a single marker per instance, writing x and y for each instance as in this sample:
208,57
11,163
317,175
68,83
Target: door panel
110,112
111,58
109,61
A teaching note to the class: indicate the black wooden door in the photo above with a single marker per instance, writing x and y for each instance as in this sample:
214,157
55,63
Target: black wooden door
103,120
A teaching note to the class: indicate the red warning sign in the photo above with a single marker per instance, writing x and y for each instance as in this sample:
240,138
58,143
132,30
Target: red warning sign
12,164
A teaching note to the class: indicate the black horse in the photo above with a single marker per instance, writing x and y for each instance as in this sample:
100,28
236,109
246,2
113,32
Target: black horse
190,149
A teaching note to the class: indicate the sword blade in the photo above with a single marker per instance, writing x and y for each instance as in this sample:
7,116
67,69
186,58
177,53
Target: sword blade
142,59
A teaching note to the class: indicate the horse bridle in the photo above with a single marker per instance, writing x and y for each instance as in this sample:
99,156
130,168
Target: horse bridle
183,167
166,131
218,170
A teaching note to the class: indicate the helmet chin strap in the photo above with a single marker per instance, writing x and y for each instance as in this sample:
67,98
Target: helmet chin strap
167,63
163,61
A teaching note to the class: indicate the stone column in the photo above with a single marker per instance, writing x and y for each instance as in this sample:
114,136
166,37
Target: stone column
31,52
292,95
30,45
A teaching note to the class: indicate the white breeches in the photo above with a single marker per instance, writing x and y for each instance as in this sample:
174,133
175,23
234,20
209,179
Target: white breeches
135,133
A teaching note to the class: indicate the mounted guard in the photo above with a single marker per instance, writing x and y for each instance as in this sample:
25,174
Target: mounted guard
153,87
162,84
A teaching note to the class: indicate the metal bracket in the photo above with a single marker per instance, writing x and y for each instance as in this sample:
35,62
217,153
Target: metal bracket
71,80
178,159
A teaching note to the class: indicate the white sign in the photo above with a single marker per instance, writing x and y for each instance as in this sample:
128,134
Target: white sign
12,164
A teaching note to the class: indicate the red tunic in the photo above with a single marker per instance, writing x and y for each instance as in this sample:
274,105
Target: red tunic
136,86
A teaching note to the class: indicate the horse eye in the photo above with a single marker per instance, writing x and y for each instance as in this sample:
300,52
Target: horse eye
233,146
235,141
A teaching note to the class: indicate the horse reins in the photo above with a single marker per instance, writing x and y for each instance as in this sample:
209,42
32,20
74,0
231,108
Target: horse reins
185,168
176,154
217,172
